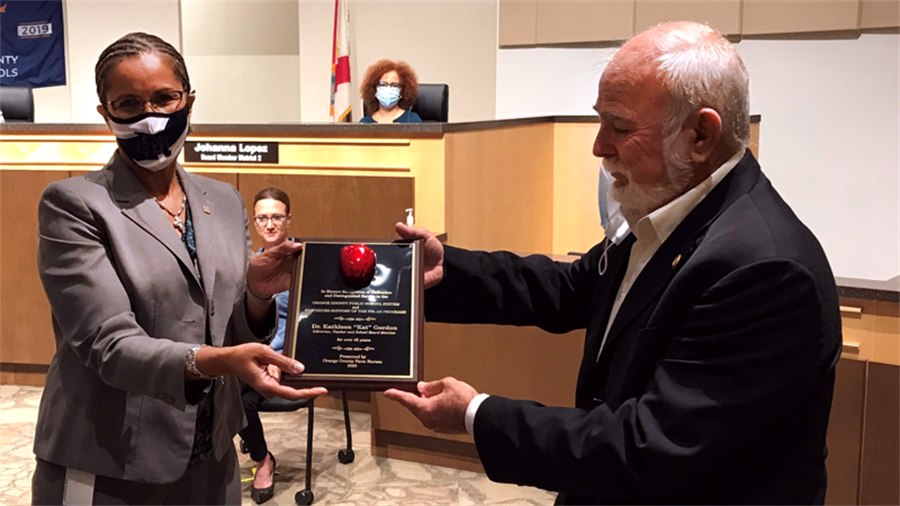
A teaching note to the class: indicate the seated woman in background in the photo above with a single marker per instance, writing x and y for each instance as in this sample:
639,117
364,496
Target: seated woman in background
389,90
272,217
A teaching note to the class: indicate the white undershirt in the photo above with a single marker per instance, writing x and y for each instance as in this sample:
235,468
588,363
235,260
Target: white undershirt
651,232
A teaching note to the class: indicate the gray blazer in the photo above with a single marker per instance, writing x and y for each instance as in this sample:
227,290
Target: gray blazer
127,306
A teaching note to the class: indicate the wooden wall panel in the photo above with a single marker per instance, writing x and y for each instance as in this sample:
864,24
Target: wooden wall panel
425,450
763,17
845,428
23,374
225,177
25,320
358,402
499,189
231,179
517,23
887,333
336,206
881,444
879,14
723,15
210,28
576,220
564,21
526,363
871,330
858,320
754,139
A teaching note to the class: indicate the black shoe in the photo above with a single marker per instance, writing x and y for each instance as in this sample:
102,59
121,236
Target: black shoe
261,495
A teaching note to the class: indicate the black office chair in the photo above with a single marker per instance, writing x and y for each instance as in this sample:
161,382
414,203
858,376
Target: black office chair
345,455
17,104
433,103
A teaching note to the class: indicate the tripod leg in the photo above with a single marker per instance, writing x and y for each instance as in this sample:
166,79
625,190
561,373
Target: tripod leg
309,446
346,455
347,420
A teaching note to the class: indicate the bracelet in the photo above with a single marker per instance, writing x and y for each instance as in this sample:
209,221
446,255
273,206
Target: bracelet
257,298
190,363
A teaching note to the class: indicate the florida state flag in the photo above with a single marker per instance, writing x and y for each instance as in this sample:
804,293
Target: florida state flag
340,64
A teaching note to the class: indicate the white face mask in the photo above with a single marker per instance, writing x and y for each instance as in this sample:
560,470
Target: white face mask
152,140
611,218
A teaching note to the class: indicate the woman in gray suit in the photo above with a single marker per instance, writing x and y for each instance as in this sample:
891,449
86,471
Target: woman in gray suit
158,307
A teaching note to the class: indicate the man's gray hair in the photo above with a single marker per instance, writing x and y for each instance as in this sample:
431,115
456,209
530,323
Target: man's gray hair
700,68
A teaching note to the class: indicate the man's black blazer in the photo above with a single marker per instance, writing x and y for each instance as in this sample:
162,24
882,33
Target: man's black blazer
715,383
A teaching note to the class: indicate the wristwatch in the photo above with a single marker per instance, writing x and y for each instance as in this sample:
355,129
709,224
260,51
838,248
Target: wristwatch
190,363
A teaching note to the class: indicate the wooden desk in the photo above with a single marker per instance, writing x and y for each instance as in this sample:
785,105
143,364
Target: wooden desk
863,441
342,184
523,185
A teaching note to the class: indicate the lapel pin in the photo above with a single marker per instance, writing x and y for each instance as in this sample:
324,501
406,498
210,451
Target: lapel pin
675,262
206,209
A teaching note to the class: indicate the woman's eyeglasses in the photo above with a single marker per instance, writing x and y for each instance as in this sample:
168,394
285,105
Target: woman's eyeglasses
165,102
396,86
262,219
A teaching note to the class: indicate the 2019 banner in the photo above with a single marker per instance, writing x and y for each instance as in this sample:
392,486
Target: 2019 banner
32,48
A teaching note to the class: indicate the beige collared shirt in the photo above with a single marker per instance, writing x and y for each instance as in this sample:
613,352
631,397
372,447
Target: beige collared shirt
652,231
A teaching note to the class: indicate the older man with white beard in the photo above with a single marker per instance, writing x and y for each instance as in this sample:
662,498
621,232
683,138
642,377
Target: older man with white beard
712,318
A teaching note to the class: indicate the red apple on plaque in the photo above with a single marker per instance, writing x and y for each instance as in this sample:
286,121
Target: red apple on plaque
357,265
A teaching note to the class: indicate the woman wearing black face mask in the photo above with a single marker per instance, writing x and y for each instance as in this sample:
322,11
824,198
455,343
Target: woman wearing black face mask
157,307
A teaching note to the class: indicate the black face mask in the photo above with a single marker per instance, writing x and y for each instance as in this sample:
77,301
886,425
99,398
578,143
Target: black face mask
152,140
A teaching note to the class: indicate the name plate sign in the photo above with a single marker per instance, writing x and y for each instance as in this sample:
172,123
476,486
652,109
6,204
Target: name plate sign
230,152
355,316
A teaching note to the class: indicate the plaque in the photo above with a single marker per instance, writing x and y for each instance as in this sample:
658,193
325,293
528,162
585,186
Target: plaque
355,317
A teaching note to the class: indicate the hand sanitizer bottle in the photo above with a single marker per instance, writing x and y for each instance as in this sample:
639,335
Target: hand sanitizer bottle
409,218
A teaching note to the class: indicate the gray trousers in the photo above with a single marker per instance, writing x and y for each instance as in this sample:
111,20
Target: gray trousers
210,482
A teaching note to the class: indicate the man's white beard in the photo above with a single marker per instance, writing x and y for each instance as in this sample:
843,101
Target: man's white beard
638,200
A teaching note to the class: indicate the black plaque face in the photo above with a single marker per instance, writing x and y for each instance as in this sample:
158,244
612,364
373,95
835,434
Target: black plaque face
353,337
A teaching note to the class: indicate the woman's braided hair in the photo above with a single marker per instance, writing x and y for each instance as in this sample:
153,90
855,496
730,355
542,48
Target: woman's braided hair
136,44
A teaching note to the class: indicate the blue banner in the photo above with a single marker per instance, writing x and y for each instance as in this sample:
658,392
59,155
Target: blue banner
32,48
